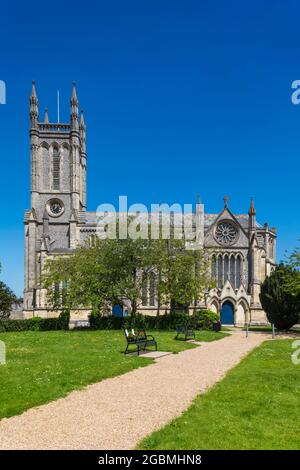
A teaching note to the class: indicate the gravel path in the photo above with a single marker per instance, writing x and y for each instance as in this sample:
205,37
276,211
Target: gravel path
117,413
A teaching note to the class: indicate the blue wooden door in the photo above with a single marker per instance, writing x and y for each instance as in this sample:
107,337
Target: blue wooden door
117,310
227,313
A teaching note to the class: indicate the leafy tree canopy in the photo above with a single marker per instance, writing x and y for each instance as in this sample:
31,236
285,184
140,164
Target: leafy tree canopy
109,271
292,278
7,299
281,305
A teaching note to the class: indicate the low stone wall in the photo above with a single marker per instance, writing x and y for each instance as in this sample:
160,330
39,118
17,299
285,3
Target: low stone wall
42,313
79,318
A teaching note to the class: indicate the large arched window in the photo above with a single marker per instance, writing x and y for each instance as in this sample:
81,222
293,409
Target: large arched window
55,169
227,268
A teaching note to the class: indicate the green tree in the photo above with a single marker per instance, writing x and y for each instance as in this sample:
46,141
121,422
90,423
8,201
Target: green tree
280,304
7,299
183,275
99,274
292,279
108,271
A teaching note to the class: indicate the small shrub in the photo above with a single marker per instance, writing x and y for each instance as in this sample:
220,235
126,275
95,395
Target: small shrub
105,322
204,319
63,320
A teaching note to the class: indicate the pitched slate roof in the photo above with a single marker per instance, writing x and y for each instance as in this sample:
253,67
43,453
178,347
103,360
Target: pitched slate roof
90,218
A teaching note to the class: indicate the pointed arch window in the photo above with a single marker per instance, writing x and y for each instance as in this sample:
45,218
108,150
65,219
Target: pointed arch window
226,268
238,271
152,290
232,270
214,267
56,169
145,290
220,271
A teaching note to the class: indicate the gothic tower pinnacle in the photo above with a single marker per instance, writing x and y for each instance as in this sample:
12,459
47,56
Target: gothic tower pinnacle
34,110
252,214
74,108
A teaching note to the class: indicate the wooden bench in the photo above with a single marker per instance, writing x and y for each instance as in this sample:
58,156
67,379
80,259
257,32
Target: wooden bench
186,331
138,338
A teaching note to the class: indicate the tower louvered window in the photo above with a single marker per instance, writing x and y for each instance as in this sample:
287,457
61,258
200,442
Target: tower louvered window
56,169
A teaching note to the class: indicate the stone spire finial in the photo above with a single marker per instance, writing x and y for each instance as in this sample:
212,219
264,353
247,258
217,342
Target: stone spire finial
74,108
225,199
252,210
34,110
198,206
33,91
74,94
82,123
252,214
46,117
82,129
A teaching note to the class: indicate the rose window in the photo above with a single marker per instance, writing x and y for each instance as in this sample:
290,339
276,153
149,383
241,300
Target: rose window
226,233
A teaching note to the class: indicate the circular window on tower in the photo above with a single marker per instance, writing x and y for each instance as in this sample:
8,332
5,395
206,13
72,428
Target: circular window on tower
55,207
226,232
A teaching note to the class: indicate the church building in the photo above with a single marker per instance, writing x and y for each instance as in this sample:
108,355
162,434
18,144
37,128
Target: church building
242,251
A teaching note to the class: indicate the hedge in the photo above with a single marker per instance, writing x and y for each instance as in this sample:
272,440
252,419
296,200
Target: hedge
201,319
36,324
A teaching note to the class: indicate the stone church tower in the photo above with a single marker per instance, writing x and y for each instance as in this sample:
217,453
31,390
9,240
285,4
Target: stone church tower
58,193
242,252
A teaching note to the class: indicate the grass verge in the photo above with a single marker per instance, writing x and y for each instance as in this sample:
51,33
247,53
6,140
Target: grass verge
253,407
44,366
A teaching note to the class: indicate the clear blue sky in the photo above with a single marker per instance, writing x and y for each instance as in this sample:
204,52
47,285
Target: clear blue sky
180,97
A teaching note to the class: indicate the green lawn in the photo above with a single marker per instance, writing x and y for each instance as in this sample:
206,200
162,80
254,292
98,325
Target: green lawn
267,328
43,366
256,406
